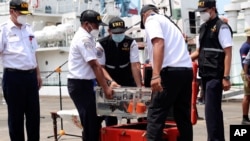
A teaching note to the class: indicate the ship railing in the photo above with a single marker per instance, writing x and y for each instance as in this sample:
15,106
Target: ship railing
53,80
63,7
58,7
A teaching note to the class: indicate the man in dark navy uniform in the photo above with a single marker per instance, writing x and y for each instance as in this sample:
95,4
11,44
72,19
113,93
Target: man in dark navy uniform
214,53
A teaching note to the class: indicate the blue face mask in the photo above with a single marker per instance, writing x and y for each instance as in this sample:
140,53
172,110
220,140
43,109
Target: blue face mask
118,37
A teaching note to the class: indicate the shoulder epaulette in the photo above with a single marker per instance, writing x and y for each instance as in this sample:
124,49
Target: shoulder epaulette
2,24
128,37
27,24
222,24
103,39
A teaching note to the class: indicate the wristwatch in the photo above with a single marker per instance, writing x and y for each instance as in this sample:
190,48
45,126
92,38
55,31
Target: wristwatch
109,82
226,77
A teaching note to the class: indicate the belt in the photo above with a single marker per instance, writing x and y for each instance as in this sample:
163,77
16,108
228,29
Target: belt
74,79
176,68
21,71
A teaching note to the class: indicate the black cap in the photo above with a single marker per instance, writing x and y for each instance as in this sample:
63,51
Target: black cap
117,25
21,6
204,4
144,9
91,16
147,7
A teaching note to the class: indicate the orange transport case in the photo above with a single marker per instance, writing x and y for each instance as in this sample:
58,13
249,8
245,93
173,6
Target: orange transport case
137,131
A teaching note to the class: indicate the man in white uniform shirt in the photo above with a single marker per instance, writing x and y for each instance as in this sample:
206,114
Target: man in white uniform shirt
21,76
172,74
83,69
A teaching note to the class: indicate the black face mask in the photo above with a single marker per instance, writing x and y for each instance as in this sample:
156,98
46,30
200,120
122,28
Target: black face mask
142,25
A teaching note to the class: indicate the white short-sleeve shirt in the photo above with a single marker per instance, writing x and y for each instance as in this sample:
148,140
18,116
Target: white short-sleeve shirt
17,46
225,36
134,53
175,50
82,50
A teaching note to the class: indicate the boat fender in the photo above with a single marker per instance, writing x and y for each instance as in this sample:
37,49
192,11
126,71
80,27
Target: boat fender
194,94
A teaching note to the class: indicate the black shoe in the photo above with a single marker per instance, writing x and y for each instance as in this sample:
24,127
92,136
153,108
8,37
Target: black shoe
200,118
200,102
245,122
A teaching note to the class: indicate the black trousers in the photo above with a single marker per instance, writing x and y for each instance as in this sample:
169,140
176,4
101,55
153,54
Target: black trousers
83,96
177,91
20,91
109,120
213,111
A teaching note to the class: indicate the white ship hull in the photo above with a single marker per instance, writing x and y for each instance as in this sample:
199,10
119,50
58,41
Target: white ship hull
53,51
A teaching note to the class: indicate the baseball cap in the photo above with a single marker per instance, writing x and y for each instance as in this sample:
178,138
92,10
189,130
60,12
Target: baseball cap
147,7
21,6
204,4
247,31
91,16
117,25
144,9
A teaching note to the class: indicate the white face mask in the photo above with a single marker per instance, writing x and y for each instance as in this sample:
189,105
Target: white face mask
94,32
21,19
205,16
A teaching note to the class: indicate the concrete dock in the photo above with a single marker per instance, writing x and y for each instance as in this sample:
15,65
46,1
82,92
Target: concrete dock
231,108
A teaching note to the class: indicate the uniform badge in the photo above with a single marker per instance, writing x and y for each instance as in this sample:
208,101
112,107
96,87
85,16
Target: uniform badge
213,29
12,35
125,44
125,47
99,52
13,38
88,45
224,26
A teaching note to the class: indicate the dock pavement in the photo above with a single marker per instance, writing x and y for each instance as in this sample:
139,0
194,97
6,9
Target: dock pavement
231,108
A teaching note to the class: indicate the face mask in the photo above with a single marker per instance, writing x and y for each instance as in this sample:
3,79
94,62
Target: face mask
205,16
21,19
94,32
118,37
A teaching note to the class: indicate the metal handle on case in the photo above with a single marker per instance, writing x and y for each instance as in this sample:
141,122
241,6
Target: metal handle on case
123,133
165,133
145,133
